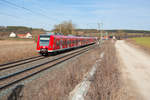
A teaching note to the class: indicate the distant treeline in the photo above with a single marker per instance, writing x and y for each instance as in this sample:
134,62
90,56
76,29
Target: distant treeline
17,29
114,31
5,31
129,31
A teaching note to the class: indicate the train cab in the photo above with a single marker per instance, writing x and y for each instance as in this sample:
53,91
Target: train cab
43,44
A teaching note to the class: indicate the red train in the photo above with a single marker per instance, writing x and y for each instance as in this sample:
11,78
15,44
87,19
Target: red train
52,43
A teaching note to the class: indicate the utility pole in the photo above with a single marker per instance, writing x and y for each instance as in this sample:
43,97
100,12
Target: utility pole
72,30
100,30
88,33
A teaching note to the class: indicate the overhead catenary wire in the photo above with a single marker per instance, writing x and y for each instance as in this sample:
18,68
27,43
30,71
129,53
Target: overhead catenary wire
40,12
9,15
15,17
27,9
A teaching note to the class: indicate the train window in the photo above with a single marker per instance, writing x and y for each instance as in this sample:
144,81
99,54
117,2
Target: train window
65,42
60,42
69,42
44,40
72,41
57,43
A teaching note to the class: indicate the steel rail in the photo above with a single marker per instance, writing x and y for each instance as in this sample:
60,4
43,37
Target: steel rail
25,62
18,61
16,81
33,67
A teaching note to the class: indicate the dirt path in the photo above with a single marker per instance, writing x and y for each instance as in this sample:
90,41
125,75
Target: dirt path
136,68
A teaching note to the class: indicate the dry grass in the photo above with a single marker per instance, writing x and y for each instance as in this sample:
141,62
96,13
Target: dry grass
107,84
15,50
61,80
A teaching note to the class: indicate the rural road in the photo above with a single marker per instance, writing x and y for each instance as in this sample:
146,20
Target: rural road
136,67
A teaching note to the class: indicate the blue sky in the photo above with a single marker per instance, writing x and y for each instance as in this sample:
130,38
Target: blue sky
114,14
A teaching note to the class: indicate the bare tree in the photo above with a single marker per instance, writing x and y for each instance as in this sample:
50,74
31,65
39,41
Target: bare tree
66,27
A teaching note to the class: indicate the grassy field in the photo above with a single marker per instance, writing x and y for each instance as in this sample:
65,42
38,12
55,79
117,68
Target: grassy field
11,50
144,41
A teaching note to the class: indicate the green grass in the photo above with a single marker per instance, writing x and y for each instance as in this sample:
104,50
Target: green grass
144,41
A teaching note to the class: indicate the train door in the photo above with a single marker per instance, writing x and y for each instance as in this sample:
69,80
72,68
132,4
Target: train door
67,42
72,42
58,43
64,42
76,42
61,43
54,43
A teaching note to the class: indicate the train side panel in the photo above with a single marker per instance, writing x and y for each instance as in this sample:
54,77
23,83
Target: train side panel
59,43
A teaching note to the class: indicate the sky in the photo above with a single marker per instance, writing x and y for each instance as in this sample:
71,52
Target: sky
111,14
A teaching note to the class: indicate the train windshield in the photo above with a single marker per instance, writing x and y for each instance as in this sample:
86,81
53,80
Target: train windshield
44,40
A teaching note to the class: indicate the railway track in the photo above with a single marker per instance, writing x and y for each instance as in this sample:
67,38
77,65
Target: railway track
18,76
19,62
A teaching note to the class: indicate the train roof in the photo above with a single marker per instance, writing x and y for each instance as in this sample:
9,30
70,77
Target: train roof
59,36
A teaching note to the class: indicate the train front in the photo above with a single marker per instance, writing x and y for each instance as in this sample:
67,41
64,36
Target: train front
43,44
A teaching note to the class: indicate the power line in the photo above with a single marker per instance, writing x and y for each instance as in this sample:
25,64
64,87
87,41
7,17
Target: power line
29,10
12,16
9,15
45,10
